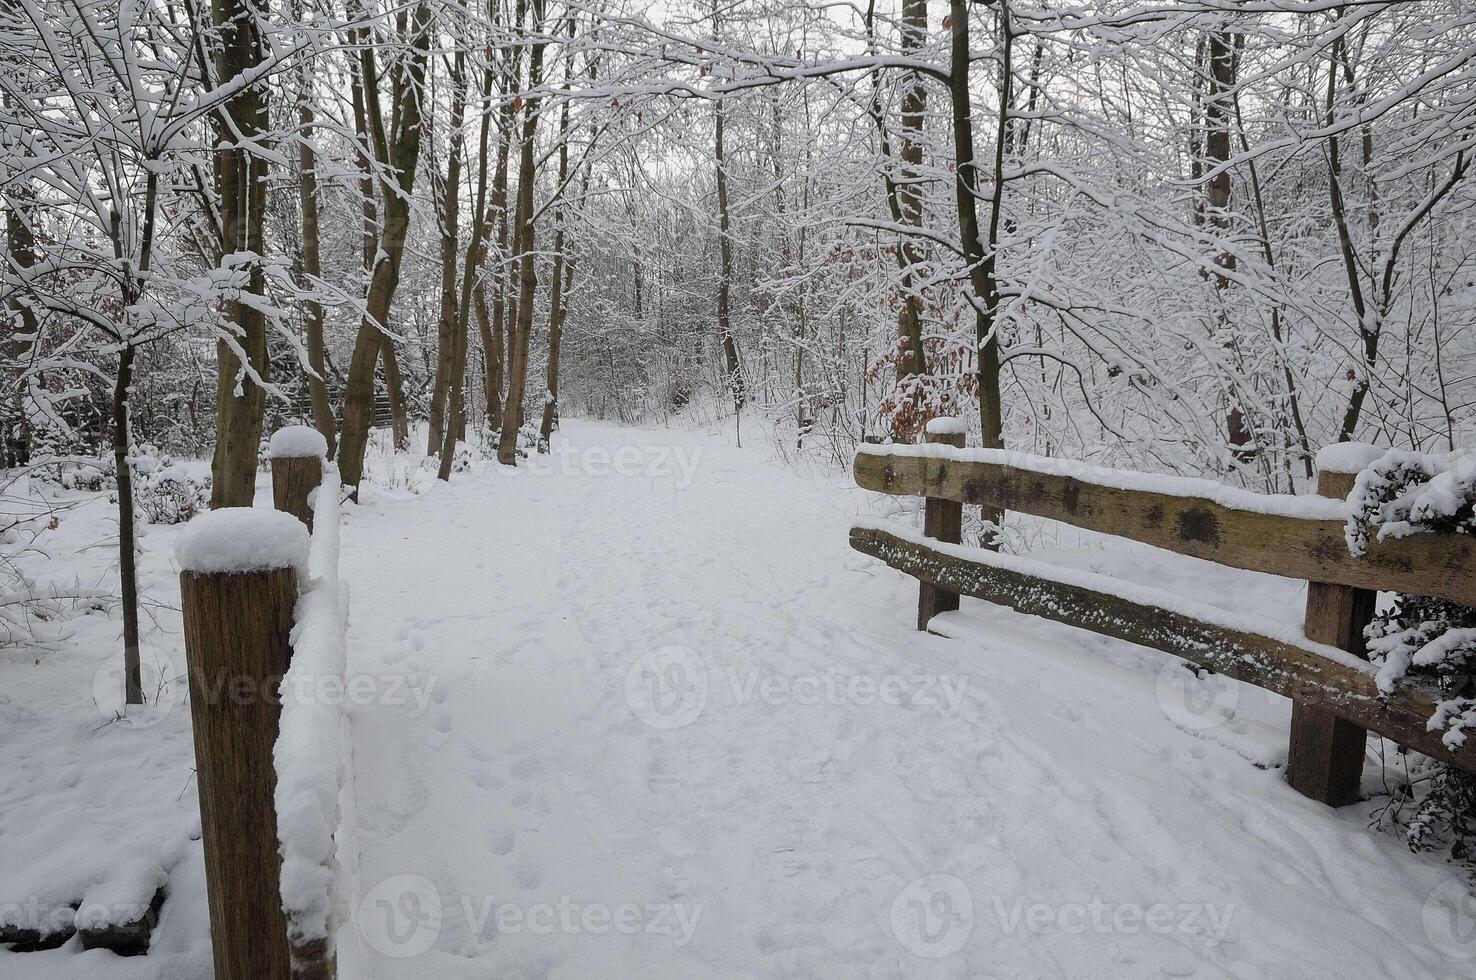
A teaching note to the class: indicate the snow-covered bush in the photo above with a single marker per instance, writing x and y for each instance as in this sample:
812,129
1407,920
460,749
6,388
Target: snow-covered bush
164,492
462,461
1419,639
70,471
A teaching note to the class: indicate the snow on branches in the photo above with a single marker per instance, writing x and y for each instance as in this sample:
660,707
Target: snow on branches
1417,637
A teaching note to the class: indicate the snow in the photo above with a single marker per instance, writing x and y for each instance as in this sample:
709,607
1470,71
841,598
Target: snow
98,799
241,539
311,744
297,441
947,425
1308,506
674,701
662,721
1441,496
123,896
1347,457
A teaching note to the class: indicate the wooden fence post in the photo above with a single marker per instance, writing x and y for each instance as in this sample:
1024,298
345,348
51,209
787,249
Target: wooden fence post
238,586
1325,755
297,453
943,520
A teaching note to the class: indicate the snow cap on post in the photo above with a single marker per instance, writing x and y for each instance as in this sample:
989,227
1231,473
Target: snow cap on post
1347,457
297,442
242,539
947,425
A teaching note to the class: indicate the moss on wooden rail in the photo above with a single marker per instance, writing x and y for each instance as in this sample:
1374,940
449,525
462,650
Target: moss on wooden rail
1257,540
1284,668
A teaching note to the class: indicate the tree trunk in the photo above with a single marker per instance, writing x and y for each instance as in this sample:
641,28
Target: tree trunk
20,329
1220,58
241,183
911,357
127,548
395,386
981,258
491,336
512,416
733,371
556,297
449,208
501,328
981,263
471,273
307,191
404,158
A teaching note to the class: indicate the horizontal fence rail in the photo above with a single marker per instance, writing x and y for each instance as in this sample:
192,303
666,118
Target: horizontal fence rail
1322,676
1322,668
1299,537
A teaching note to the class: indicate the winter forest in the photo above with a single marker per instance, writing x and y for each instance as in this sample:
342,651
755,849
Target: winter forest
534,356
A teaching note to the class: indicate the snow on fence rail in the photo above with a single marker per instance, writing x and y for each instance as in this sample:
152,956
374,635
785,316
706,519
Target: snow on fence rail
264,618
1333,690
312,744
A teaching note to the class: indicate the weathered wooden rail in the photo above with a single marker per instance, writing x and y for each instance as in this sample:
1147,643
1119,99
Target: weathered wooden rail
254,584
1335,699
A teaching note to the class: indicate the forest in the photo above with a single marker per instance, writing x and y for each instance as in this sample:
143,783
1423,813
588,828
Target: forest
753,243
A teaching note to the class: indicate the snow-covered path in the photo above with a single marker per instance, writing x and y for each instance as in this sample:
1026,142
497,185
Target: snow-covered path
666,724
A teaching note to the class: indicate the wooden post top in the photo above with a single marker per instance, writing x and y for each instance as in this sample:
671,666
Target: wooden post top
946,430
297,442
1338,466
237,540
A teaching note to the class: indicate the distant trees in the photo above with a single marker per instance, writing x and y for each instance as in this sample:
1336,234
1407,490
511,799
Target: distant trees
1184,237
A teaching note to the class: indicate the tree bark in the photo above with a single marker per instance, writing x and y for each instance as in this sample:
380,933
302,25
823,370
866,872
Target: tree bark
127,559
512,416
307,191
556,298
911,357
20,331
491,337
449,208
981,256
471,273
1218,106
241,183
732,369
404,158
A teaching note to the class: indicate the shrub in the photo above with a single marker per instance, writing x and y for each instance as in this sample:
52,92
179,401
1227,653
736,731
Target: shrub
1418,640
165,493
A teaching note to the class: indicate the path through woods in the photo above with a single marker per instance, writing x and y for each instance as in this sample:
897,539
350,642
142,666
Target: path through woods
668,725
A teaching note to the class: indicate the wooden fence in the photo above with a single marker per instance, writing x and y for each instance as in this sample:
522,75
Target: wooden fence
245,606
1335,701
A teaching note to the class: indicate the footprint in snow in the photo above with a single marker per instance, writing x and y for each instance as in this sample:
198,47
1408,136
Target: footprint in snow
526,874
529,769
502,841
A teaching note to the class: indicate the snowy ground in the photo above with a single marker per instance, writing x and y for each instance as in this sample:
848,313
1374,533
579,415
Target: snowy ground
638,711
97,805
675,728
